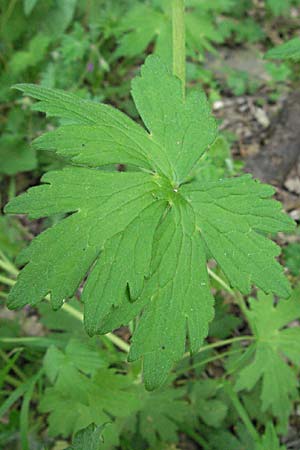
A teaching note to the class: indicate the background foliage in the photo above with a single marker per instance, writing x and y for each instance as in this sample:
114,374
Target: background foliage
61,389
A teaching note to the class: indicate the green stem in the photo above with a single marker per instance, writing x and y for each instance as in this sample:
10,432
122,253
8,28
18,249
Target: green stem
242,304
12,381
8,267
8,12
15,368
195,436
22,340
11,188
240,409
221,282
7,281
208,360
5,258
222,343
178,31
118,342
23,230
237,296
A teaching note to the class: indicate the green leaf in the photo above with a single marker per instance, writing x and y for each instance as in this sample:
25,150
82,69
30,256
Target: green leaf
15,155
179,279
106,204
138,240
160,416
288,50
78,399
201,30
11,239
59,17
206,404
173,122
89,438
233,216
276,344
278,7
77,354
216,163
270,439
61,321
32,56
134,38
292,257
224,322
221,439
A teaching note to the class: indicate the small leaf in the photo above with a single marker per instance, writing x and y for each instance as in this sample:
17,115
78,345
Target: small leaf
89,438
206,404
160,415
275,345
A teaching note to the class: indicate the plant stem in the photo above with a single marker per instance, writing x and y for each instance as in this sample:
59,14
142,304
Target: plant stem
11,188
237,296
242,304
22,339
220,281
208,360
15,368
8,267
178,32
195,436
240,409
7,281
118,342
12,381
223,343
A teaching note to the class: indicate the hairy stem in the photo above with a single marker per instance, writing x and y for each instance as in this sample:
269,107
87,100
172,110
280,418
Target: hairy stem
178,32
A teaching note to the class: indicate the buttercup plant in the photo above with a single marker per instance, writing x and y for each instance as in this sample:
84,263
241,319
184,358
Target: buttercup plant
139,241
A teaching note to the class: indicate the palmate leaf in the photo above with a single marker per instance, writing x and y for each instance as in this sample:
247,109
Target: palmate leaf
81,393
274,347
139,238
134,38
160,416
206,403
